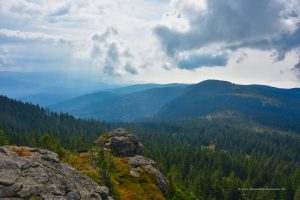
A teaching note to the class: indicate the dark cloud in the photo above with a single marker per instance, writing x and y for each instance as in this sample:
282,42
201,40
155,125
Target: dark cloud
225,21
112,60
231,24
282,44
130,69
196,61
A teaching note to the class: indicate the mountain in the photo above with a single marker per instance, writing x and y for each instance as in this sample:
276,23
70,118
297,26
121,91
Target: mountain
47,88
14,88
266,105
119,107
53,95
141,87
46,99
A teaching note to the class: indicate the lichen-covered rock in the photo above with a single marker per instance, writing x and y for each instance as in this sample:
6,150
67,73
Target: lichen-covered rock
121,143
138,160
148,165
40,174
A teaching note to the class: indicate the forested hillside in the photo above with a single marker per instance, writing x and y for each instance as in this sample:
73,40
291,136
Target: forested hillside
213,157
263,105
216,160
24,124
115,106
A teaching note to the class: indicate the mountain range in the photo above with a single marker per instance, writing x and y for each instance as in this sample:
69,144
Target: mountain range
264,105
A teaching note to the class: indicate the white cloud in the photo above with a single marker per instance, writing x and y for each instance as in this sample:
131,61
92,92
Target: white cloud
11,36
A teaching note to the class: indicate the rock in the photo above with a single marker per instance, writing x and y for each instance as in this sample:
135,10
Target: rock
135,172
9,190
42,175
9,176
121,143
148,165
103,191
161,180
138,160
9,170
73,196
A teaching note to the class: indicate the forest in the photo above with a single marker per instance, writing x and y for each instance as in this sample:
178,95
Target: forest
215,159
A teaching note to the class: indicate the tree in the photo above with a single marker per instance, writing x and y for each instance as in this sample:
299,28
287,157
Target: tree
3,139
48,142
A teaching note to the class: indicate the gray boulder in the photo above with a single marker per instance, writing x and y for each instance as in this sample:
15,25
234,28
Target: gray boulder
121,143
42,175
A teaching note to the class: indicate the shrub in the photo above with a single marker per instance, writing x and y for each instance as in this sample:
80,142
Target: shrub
3,139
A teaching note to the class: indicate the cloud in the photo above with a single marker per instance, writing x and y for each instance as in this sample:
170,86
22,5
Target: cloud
230,25
130,69
12,36
196,61
111,53
115,40
112,60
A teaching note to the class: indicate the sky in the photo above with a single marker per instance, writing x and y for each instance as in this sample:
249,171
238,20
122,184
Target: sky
161,41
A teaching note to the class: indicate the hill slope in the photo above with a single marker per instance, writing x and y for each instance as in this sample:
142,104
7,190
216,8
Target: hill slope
119,107
24,124
266,105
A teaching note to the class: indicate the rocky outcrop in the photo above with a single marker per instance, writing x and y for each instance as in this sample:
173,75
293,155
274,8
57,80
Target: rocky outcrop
123,143
32,173
140,162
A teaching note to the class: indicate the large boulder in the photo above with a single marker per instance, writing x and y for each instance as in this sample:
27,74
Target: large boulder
121,143
28,173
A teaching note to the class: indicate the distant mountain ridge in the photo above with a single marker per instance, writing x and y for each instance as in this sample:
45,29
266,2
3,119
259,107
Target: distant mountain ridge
119,107
266,105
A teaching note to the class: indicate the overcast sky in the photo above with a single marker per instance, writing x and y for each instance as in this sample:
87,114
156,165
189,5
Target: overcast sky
134,41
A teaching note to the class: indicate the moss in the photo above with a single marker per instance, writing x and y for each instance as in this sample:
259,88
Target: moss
129,187
105,137
83,163
36,198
